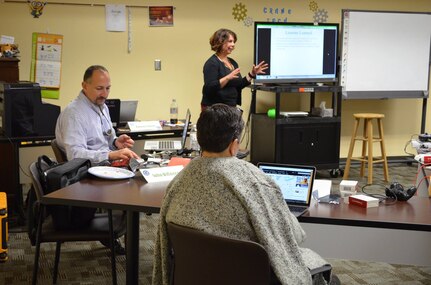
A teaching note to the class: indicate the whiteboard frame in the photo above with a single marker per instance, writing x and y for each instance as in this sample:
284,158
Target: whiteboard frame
380,93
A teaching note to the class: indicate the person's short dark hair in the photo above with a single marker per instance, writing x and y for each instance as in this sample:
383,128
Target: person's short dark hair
218,125
89,72
218,39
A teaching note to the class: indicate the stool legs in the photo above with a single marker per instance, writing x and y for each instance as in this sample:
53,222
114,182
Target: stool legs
352,144
382,146
367,149
370,150
364,148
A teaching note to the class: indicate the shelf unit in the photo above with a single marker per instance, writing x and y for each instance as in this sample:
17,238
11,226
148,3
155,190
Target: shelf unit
296,140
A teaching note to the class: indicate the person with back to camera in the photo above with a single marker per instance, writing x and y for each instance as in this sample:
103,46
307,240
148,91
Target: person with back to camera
220,194
84,127
84,130
223,82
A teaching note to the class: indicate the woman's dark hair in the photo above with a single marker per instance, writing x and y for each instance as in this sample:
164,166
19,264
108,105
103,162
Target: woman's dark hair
218,125
89,72
219,38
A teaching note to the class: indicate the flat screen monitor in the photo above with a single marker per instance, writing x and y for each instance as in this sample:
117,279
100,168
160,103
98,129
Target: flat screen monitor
296,52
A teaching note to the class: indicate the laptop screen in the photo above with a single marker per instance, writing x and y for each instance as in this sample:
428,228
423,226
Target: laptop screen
128,110
114,111
295,181
185,130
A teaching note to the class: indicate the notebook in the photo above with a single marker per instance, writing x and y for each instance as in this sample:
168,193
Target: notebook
295,182
170,144
127,111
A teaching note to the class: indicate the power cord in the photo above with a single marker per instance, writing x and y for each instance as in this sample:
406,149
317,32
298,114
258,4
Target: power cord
246,133
20,167
385,200
408,143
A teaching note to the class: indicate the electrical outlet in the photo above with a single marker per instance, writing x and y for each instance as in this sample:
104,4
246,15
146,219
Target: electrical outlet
157,64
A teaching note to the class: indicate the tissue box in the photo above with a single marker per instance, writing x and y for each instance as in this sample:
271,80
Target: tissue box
322,111
327,113
348,185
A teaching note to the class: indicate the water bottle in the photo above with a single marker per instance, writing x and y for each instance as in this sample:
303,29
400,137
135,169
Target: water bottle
194,145
174,112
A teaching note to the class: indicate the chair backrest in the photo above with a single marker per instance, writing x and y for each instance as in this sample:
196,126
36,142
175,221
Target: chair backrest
202,258
60,155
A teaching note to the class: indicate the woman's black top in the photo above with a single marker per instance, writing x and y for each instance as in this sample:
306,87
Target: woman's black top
212,93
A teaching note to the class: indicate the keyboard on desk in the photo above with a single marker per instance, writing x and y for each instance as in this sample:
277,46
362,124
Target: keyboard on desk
297,210
166,145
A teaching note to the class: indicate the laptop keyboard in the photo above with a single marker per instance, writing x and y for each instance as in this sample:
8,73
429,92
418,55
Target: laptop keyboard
296,209
166,145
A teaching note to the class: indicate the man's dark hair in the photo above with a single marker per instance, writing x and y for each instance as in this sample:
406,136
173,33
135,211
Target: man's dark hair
89,72
218,125
218,39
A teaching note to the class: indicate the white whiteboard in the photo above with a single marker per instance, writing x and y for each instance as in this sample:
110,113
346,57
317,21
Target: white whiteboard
385,54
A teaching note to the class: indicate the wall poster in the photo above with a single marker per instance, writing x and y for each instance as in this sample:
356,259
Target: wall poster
46,63
161,16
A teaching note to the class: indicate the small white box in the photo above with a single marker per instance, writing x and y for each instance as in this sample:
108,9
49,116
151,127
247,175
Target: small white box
348,186
347,193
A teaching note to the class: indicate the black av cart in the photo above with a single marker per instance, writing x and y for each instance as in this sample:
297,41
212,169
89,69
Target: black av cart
309,140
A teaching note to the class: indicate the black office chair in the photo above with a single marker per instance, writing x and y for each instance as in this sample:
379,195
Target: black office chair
60,155
202,258
105,226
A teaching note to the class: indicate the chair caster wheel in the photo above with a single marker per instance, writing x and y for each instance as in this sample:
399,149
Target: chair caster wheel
334,173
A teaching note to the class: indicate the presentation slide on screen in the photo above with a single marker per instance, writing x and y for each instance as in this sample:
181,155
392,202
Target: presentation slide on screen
298,51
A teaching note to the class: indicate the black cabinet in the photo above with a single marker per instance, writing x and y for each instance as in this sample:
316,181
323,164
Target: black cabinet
297,140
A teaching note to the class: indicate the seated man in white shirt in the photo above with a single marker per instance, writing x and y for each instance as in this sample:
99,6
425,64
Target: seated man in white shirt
84,127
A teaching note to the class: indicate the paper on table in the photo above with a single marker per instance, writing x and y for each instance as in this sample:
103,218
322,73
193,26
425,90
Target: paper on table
141,126
160,173
322,187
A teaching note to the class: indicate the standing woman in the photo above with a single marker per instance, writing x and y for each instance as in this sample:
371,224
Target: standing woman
223,82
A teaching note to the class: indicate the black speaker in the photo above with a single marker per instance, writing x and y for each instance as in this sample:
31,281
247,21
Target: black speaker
397,191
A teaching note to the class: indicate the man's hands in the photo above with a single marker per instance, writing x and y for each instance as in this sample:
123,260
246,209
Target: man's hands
124,153
123,143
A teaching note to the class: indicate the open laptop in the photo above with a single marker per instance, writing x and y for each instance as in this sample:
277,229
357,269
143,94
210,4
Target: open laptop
170,144
295,182
127,111
114,111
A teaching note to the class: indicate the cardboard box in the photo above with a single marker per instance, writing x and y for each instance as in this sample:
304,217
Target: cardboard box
348,186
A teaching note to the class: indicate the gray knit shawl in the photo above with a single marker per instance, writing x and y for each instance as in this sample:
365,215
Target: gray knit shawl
233,198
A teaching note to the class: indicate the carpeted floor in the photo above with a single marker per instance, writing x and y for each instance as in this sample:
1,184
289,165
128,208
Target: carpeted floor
89,263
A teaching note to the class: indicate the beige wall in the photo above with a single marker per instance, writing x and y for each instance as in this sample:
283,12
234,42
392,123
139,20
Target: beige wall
183,49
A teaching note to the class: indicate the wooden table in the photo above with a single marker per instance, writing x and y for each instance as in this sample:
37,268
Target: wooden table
398,233
339,231
132,195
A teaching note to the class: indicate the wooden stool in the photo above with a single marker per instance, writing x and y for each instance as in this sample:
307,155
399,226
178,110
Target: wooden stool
367,139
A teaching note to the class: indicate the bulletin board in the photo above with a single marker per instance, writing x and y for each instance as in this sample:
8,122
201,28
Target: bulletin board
46,63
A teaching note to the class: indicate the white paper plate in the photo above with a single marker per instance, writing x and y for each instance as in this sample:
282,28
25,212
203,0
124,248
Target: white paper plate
111,172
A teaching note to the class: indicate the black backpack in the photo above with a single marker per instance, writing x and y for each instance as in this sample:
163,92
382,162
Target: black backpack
53,176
